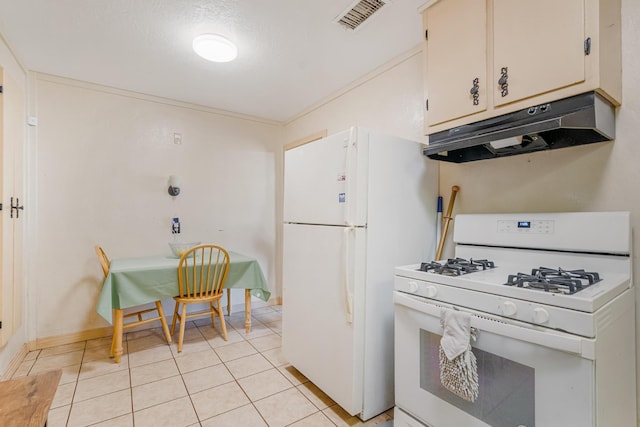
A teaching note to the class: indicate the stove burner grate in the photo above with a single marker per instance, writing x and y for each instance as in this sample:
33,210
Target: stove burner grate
554,280
456,266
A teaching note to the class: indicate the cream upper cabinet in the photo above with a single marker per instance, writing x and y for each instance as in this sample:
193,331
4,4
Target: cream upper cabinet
455,60
538,46
522,53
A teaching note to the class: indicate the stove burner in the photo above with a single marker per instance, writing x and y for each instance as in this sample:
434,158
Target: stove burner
456,266
554,280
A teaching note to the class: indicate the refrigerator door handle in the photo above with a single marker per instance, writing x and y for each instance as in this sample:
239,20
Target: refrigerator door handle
350,172
347,273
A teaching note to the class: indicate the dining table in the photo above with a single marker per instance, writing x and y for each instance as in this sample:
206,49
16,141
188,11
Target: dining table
140,280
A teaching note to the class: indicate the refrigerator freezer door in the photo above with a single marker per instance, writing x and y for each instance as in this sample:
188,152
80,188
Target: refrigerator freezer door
325,181
323,313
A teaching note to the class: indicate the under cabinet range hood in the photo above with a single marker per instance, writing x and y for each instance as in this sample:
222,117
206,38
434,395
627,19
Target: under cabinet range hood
580,119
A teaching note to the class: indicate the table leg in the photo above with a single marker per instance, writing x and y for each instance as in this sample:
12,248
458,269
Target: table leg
228,302
247,310
118,322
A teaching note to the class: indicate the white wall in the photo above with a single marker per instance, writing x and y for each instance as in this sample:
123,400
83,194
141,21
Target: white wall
389,99
15,74
597,177
103,158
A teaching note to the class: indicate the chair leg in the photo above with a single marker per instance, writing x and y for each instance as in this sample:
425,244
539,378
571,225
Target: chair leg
213,312
112,352
175,317
222,322
247,310
165,328
183,318
228,302
118,326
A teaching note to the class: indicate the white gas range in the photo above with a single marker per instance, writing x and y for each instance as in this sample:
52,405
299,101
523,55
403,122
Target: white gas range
551,299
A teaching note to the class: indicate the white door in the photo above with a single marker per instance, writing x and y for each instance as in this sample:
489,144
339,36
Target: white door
325,180
323,296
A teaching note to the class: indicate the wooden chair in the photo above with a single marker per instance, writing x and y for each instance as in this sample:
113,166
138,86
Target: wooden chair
202,272
105,264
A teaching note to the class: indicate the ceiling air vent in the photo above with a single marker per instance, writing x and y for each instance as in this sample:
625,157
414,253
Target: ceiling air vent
359,12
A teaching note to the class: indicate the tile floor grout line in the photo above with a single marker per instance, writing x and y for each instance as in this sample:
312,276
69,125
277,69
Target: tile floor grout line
133,414
195,411
259,343
226,367
259,413
251,402
77,382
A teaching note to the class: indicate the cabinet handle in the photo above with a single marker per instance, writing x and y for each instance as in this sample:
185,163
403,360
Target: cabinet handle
15,207
587,46
503,82
475,89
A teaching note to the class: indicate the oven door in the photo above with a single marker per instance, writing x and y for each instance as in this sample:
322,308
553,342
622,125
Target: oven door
527,376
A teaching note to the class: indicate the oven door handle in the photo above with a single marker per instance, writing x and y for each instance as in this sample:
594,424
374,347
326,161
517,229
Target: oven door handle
509,328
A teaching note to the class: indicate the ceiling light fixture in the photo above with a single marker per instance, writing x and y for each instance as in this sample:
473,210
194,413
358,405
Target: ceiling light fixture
216,48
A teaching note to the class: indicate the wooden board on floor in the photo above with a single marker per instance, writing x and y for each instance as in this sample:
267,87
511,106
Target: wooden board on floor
25,402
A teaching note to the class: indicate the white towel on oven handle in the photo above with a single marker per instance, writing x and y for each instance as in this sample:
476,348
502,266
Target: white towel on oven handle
457,332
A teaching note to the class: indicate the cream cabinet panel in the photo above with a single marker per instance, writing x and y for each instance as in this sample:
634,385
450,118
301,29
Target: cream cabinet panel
6,289
538,47
541,45
12,130
455,61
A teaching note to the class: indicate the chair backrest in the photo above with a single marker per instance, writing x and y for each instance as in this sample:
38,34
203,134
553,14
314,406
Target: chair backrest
202,271
104,260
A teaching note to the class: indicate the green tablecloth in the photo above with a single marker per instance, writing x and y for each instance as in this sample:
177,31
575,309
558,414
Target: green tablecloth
136,281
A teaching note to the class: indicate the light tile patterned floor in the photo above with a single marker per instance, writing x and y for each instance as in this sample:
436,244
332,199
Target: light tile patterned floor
242,382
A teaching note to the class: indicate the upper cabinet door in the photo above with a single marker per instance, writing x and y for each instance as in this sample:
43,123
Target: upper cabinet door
455,55
538,47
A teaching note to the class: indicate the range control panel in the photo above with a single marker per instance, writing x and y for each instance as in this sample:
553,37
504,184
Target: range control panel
526,226
598,232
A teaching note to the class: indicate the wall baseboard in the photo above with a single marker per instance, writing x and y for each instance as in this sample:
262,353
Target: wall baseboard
90,334
15,363
40,343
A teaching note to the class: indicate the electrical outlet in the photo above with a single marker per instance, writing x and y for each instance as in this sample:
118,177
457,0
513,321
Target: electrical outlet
177,138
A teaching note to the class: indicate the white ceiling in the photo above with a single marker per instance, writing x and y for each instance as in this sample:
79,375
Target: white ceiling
291,52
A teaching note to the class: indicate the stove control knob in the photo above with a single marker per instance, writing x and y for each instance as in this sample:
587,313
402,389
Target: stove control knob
509,308
431,291
413,286
540,315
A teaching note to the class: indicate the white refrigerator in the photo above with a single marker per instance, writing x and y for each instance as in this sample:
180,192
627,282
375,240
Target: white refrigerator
356,204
